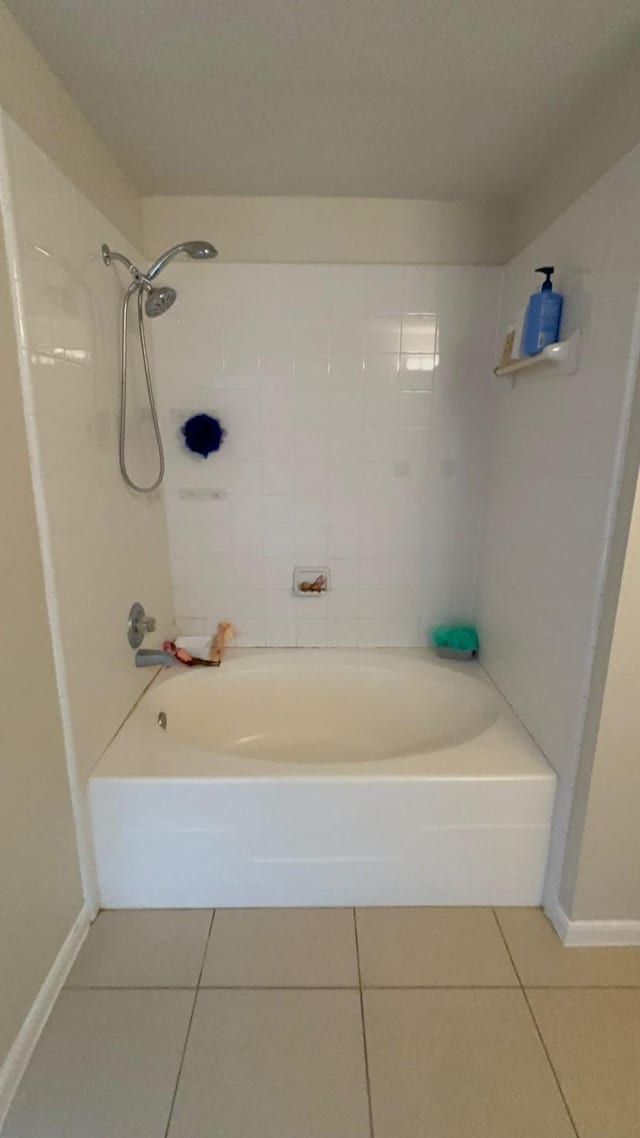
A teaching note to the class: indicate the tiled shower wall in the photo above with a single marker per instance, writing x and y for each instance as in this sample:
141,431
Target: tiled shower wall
553,483
103,547
356,401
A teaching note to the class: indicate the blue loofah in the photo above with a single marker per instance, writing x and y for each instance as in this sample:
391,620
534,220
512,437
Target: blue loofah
203,435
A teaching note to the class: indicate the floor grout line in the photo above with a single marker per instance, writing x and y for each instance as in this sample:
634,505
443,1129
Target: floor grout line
413,987
130,988
441,987
278,987
581,987
506,945
188,1032
348,987
363,1024
554,1073
550,1062
206,949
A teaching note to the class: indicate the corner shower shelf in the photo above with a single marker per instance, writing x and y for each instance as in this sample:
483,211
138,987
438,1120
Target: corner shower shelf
561,357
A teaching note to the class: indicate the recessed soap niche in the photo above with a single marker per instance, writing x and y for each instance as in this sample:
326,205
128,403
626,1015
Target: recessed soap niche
311,581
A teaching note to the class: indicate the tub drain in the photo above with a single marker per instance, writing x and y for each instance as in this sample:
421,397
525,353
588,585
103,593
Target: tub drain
162,721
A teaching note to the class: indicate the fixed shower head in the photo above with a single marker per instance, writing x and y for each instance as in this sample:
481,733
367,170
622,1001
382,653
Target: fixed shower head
199,250
159,300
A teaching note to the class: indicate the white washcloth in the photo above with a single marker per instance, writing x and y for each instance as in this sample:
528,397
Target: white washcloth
197,646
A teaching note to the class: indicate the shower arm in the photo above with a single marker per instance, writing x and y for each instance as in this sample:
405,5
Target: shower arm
110,255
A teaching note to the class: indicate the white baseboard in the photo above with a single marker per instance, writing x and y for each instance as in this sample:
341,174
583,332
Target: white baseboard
24,1044
593,934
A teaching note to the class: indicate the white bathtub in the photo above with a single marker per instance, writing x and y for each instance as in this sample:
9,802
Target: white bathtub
312,777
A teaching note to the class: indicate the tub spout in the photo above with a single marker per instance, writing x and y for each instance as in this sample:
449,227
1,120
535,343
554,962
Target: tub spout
154,658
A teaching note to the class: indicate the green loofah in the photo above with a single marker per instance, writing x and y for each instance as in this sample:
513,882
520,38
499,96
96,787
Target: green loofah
459,637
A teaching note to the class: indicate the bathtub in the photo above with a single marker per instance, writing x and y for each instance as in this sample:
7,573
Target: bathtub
322,777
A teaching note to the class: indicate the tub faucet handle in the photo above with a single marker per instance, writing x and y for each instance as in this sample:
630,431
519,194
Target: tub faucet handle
138,625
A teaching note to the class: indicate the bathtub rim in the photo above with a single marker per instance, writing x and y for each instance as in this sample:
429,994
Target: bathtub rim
504,750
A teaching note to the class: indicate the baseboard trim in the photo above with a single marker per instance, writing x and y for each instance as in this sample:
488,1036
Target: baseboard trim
593,934
24,1044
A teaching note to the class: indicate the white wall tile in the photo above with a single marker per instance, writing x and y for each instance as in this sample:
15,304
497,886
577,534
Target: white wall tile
312,633
374,633
327,459
342,633
345,573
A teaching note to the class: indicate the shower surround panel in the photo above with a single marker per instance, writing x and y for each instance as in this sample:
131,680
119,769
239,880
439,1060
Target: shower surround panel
103,547
356,401
554,476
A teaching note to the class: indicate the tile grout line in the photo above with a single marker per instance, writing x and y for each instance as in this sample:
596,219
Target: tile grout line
351,987
582,987
508,950
550,1062
130,988
537,1028
363,1024
213,988
188,1031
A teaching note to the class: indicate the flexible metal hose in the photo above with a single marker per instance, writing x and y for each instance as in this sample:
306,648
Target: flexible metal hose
135,286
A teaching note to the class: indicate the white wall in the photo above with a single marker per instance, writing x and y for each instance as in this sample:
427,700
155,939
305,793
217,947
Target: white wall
337,454
104,547
605,882
608,128
40,889
335,230
555,475
35,98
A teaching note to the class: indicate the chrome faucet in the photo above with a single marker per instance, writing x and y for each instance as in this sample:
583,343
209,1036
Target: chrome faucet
138,625
154,658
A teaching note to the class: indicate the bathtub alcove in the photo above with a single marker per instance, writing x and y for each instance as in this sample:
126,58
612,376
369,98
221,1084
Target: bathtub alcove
322,777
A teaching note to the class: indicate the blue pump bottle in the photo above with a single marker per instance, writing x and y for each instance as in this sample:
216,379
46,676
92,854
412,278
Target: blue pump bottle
542,322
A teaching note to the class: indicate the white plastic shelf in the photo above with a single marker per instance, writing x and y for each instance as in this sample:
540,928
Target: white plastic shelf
561,357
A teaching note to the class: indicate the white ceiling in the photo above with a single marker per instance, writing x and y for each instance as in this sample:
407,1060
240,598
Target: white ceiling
375,98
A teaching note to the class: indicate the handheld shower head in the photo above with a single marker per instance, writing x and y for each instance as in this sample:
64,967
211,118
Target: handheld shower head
152,301
199,250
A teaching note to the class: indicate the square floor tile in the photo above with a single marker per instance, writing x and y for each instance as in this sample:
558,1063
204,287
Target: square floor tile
544,962
459,1064
273,1065
106,1066
282,948
432,947
145,948
593,1038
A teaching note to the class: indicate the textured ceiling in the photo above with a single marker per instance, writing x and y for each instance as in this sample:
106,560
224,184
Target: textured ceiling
375,98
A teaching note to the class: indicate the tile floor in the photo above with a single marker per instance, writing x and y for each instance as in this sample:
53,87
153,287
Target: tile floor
330,1023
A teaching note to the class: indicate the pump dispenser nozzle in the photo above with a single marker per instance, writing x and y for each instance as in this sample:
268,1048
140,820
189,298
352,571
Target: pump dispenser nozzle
547,270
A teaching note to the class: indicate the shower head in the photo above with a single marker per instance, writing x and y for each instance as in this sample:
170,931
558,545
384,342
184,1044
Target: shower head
199,250
159,300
